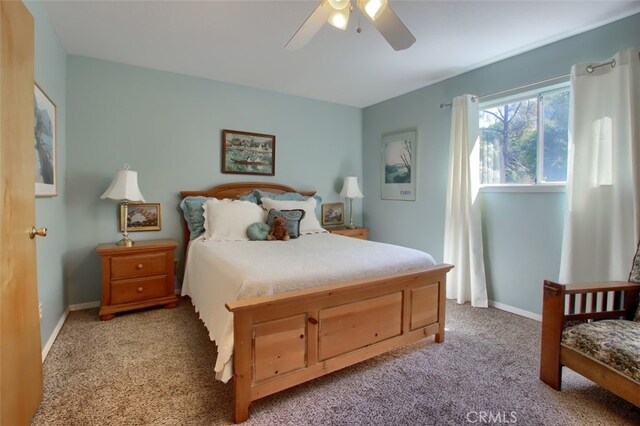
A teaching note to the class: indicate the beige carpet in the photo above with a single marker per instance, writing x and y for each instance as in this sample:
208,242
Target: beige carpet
155,367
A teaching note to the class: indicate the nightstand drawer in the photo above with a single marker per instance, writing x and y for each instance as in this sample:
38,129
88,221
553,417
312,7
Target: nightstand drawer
139,265
361,233
126,291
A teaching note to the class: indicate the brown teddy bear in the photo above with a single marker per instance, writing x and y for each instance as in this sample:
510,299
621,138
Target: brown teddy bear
278,230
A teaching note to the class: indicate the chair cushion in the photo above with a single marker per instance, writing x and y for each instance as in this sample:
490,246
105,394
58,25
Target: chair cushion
615,343
634,276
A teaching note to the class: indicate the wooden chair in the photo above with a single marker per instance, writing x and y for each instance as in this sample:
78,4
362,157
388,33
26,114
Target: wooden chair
565,305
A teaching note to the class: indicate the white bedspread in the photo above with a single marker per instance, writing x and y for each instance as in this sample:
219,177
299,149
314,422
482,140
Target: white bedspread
217,272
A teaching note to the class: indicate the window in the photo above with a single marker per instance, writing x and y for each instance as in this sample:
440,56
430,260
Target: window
523,140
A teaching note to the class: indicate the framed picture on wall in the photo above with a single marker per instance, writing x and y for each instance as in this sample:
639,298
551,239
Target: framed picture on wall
399,165
332,214
141,217
45,134
248,153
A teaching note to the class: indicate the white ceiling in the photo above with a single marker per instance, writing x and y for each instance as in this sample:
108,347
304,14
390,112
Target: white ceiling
243,42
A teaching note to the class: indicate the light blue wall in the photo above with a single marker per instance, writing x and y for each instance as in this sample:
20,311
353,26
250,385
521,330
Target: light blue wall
168,128
522,231
50,72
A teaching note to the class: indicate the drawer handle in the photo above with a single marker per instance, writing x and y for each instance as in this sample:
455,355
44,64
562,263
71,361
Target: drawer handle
139,266
140,289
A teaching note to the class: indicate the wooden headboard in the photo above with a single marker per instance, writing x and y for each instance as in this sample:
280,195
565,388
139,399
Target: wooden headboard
234,191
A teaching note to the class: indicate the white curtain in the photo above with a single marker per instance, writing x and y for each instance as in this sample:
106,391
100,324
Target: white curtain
463,228
603,182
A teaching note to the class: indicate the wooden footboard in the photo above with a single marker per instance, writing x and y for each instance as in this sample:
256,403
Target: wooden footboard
283,340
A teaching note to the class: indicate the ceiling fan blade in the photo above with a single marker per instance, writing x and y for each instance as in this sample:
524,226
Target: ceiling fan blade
394,30
310,27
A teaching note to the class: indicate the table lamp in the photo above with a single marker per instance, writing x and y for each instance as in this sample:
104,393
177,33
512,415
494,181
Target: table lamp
350,190
124,188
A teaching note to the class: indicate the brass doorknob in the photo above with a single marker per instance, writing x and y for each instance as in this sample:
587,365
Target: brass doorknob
41,232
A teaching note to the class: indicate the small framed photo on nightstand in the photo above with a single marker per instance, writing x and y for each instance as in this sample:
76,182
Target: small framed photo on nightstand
141,217
332,214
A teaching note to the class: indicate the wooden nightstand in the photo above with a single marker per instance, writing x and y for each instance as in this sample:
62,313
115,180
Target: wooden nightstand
137,277
362,233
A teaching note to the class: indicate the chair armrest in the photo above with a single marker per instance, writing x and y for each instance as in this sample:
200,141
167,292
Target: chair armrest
596,287
578,302
596,300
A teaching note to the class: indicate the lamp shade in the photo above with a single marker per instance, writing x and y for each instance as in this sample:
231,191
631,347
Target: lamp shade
124,186
350,188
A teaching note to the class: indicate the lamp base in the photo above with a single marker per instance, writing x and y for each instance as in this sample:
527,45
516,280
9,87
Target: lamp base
125,241
351,225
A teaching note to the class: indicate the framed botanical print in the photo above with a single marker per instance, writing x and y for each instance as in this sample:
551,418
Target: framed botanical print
45,134
399,165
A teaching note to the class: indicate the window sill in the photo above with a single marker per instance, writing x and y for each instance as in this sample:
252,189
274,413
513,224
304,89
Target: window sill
550,187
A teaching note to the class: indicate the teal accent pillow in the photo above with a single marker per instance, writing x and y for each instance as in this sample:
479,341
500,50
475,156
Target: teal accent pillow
292,220
286,196
194,214
258,231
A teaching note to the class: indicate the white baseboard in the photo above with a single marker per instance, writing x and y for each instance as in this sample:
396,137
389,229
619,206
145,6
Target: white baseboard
514,310
54,334
81,306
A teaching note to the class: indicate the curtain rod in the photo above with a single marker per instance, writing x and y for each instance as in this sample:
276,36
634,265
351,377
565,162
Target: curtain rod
558,77
589,69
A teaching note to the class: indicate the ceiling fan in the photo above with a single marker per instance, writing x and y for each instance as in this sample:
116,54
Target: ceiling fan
336,12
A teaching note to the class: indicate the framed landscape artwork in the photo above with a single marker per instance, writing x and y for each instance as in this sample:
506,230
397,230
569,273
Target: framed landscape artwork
45,134
248,153
333,214
141,217
399,165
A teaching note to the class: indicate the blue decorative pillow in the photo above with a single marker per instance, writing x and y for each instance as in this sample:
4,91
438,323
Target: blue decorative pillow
194,214
250,197
258,231
286,196
292,220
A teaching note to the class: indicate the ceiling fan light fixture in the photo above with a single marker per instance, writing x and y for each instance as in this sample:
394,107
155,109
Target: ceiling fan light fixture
340,18
339,4
372,8
336,12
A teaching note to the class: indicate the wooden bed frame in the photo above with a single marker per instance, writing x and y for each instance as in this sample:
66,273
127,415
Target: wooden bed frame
290,338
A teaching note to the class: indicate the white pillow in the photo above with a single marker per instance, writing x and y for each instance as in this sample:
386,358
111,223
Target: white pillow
228,220
309,223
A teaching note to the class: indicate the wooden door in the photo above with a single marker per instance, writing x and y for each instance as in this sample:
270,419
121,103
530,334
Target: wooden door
20,349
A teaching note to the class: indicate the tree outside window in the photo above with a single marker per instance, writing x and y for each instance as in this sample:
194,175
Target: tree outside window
525,141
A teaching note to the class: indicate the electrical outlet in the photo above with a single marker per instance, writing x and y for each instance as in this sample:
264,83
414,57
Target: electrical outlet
40,310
